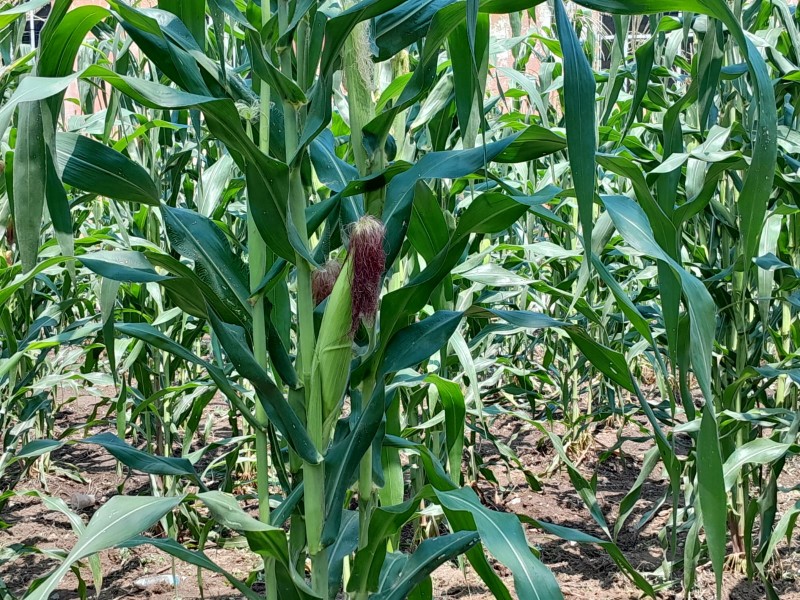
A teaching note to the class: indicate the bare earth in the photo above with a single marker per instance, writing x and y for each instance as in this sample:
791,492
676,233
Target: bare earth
582,571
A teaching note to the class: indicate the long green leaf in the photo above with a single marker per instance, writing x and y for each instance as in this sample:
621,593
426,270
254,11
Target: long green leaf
711,490
199,239
579,113
193,557
117,521
429,555
121,265
29,182
280,413
139,460
503,537
94,167
757,452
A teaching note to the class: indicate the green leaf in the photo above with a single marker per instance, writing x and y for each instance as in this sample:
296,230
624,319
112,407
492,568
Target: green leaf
32,89
711,489
782,532
268,193
766,277
488,213
628,503
59,49
385,522
142,461
609,362
37,448
29,182
94,167
455,414
118,520
491,212
56,196
78,527
345,544
579,114
197,238
633,225
415,343
280,413
108,300
148,93
761,451
396,29
192,14
579,537
229,8
428,556
153,337
585,489
522,318
664,230
468,47
191,293
427,230
394,563
434,165
331,170
645,55
20,280
502,535
121,265
263,539
532,143
287,89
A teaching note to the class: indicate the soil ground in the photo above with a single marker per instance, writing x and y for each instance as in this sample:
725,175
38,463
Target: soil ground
583,571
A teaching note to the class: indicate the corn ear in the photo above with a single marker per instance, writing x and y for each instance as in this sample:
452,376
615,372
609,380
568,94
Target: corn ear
331,365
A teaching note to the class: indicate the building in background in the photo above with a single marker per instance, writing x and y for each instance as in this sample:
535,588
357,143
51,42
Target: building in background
33,27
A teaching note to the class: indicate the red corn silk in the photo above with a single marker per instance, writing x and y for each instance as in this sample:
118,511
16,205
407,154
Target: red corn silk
323,280
369,262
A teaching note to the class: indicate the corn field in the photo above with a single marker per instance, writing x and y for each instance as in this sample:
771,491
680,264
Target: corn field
322,299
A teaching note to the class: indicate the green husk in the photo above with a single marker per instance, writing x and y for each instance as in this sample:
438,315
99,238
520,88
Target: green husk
331,365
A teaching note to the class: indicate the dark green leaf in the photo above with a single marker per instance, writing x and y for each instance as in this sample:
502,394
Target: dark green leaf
121,265
94,167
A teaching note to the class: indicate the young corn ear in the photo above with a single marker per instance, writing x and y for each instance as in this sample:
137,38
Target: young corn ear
323,280
331,365
354,298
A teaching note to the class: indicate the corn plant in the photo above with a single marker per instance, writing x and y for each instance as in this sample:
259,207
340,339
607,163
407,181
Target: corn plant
324,458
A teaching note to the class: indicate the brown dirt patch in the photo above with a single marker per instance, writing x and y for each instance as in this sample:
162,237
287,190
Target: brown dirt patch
583,571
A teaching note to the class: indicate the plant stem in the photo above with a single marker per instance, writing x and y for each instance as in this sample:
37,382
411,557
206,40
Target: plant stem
313,475
258,256
741,490
360,80
365,483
